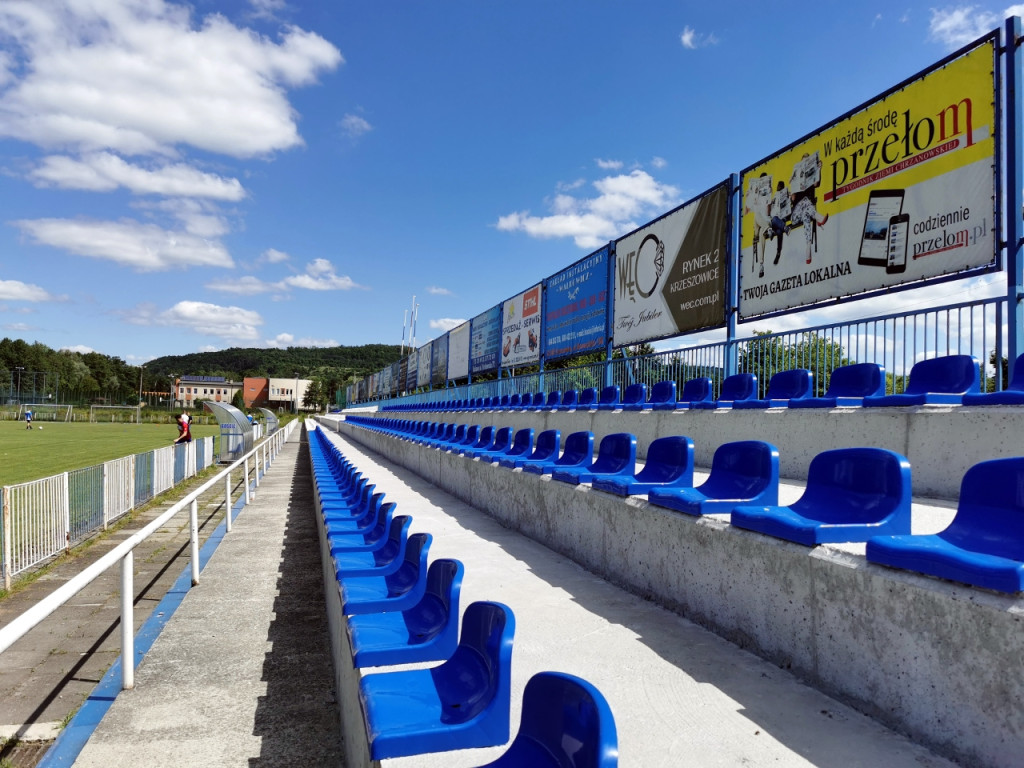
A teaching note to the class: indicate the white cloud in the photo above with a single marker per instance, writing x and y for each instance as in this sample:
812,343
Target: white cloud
199,217
658,162
444,324
15,290
608,165
437,290
355,126
243,286
273,256
81,349
105,172
320,276
145,247
18,327
283,340
267,9
692,40
957,26
140,77
591,222
234,323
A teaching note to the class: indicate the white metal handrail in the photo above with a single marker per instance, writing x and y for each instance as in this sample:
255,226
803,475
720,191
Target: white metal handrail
124,553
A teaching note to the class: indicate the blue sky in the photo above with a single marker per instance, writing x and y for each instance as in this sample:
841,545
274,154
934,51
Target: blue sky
269,173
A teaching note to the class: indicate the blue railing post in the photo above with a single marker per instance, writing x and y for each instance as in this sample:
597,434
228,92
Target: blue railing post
732,302
1014,183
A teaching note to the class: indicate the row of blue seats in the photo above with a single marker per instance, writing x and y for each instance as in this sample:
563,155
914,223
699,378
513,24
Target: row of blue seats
852,494
952,380
401,612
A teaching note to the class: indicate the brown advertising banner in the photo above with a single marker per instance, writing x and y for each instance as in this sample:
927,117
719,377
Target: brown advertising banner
670,275
899,191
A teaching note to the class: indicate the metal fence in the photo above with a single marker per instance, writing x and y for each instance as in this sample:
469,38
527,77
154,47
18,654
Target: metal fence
894,341
45,517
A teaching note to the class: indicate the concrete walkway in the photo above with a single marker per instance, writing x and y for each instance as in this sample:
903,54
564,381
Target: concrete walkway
240,675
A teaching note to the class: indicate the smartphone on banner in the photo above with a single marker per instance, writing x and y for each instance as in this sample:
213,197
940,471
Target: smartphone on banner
883,205
899,227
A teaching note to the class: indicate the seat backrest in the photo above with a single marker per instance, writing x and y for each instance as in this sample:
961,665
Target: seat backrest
635,394
1017,379
742,469
459,434
472,433
514,400
547,444
697,390
554,398
502,439
413,570
663,392
566,719
668,458
437,612
739,386
505,401
789,385
478,675
570,397
857,380
485,437
856,484
990,516
616,452
588,396
951,373
523,441
609,395
579,447
538,399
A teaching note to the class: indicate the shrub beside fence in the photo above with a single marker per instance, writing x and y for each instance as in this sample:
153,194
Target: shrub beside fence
43,518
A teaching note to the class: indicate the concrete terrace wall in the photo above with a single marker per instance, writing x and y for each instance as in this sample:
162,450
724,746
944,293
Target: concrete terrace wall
938,661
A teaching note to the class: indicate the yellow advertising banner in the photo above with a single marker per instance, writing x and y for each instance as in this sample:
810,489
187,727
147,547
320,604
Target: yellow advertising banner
900,191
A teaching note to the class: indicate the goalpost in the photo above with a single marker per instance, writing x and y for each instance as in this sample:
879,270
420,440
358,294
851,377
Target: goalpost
46,411
114,413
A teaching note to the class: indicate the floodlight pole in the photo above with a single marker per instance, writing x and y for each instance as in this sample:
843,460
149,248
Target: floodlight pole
19,369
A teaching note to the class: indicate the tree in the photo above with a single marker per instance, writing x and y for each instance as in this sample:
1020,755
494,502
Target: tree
767,354
315,397
238,400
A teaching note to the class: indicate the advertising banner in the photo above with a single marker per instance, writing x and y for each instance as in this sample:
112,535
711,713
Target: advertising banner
385,382
458,352
439,362
411,375
485,340
520,329
901,190
670,276
397,377
423,365
576,307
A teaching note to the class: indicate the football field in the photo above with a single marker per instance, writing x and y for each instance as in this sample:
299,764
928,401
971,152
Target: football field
50,448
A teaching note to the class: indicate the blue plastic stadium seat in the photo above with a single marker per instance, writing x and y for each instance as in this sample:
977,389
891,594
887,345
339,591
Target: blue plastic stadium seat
484,437
546,449
502,441
565,723
983,546
609,399
669,464
588,399
522,445
579,450
428,631
1012,395
569,400
783,388
698,390
634,398
940,380
735,388
384,560
369,528
460,704
537,402
396,592
616,457
744,472
554,400
848,385
852,494
663,397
